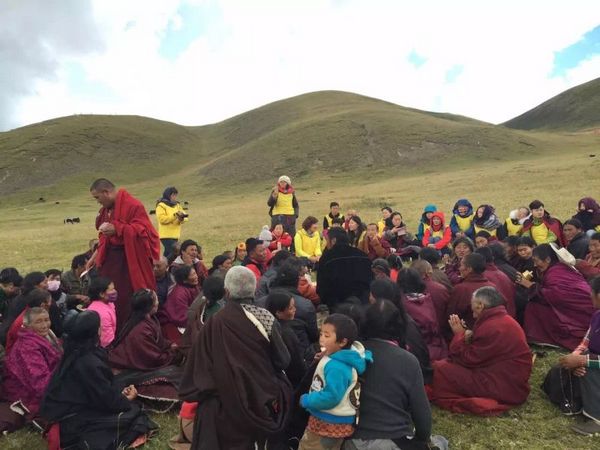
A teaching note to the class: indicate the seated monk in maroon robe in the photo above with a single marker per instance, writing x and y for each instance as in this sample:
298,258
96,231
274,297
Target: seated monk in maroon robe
560,306
503,283
440,294
141,356
487,370
471,269
128,244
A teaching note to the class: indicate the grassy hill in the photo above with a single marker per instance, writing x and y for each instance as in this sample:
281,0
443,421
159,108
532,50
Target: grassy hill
573,110
362,152
317,135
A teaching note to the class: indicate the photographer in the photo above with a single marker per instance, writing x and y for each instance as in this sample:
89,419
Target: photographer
170,216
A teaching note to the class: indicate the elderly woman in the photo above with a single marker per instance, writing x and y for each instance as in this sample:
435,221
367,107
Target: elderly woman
283,205
559,309
83,398
29,366
34,298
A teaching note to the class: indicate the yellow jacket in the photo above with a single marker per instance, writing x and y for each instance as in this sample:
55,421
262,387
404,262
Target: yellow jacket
169,227
307,246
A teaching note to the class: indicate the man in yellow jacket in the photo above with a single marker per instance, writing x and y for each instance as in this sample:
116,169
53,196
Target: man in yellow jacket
170,216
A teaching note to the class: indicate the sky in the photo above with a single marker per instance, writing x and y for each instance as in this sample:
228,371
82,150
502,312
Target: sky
196,62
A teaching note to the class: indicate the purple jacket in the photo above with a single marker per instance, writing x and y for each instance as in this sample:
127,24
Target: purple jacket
28,368
175,309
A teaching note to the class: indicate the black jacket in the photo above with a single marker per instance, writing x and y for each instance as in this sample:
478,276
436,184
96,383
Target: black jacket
344,272
579,246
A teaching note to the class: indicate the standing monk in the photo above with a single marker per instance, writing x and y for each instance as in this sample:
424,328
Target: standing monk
128,245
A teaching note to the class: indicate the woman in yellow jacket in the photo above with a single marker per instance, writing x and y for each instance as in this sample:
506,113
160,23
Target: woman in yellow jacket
170,216
283,205
307,242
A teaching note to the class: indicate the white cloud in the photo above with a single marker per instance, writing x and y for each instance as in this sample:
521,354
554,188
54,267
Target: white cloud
267,50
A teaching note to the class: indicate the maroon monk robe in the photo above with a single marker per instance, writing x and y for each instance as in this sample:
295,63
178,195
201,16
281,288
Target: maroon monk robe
560,308
460,299
127,257
421,308
504,285
496,364
144,348
589,268
440,296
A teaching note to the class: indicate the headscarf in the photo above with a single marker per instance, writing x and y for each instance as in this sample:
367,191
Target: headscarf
166,197
488,220
81,337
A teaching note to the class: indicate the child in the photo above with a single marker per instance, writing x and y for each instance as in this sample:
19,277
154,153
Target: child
103,295
333,399
334,213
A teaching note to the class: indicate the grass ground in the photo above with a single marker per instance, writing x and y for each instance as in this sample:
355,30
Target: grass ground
33,236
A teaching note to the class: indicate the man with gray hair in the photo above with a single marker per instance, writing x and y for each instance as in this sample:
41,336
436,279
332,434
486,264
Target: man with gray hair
487,370
235,370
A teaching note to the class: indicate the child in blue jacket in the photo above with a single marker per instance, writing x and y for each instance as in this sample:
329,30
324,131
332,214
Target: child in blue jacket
333,399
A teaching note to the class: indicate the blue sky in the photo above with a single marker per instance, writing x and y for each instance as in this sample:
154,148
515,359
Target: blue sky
201,61
571,56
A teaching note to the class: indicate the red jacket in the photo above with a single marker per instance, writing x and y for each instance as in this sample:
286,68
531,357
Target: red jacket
285,239
446,238
504,285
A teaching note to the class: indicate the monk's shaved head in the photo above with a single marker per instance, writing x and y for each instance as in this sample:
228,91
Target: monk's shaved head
423,267
102,184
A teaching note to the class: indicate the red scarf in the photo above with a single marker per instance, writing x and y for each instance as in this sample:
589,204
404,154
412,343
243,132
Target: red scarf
136,234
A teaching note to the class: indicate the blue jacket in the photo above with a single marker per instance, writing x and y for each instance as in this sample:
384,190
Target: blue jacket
335,390
424,222
453,223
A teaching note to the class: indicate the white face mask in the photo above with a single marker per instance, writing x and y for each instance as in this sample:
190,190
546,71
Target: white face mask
53,285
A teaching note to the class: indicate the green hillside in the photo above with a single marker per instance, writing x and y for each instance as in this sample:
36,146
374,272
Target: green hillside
312,136
573,110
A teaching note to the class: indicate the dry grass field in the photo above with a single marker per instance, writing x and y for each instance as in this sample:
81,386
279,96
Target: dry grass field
34,237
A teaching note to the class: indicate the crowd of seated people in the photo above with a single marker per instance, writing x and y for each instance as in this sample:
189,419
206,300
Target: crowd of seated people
445,315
